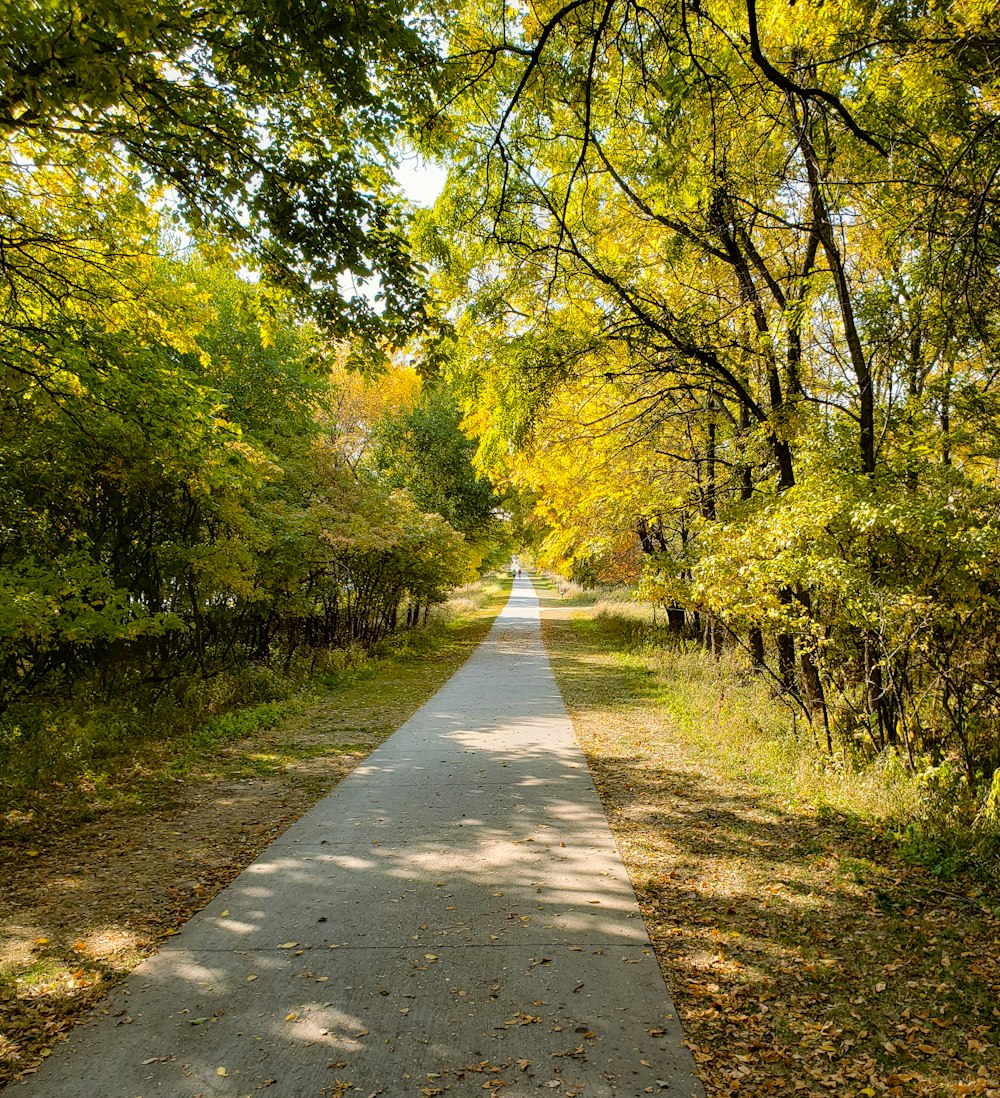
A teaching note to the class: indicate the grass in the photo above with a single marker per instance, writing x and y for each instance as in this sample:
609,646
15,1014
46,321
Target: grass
99,865
804,955
80,759
734,720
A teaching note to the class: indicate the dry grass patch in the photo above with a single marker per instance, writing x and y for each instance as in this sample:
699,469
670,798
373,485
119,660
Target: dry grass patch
803,957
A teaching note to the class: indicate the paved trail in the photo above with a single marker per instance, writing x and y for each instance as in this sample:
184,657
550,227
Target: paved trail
454,919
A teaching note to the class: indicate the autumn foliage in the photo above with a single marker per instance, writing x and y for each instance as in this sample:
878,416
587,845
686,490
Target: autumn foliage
728,279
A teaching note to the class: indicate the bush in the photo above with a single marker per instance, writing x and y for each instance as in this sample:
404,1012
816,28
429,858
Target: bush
957,828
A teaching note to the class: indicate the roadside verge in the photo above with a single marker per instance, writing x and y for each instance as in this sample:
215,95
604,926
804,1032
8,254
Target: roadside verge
803,957
82,901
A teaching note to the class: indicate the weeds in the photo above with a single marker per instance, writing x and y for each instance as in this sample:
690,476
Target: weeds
734,721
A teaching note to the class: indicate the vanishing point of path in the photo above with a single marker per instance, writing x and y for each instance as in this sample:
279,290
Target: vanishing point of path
453,919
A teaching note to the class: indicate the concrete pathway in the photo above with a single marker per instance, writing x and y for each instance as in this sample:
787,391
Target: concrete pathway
454,919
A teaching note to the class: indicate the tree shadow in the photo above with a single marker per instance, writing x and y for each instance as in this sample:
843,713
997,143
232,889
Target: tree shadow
798,950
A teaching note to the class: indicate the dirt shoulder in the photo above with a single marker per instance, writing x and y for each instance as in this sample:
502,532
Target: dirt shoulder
803,958
84,897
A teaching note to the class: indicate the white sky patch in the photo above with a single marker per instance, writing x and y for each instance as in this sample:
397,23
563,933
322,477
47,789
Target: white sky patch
421,180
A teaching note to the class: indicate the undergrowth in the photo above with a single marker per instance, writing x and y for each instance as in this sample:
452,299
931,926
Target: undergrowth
103,744
802,955
933,815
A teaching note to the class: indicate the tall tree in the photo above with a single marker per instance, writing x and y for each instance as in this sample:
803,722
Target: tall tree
778,219
423,450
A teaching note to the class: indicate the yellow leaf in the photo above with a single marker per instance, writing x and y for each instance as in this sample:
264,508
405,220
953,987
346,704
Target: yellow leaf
291,1017
222,1072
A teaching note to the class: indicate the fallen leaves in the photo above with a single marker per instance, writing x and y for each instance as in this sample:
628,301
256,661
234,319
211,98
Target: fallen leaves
578,1053
790,977
522,1018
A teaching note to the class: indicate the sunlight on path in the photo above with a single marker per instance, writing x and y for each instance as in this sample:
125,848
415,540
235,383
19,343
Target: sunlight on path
453,919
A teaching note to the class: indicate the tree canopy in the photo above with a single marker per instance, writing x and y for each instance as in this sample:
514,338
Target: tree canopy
199,229
271,125
727,280
712,287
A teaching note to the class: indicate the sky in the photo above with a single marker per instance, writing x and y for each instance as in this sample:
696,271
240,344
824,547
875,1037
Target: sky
421,180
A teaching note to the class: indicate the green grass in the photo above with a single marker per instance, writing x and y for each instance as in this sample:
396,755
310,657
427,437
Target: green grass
70,760
733,722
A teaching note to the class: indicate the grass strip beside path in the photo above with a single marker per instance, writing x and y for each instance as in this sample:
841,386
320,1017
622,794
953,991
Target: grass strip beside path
84,897
802,956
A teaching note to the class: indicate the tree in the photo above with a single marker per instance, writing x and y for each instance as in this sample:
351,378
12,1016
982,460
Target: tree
423,450
182,507
271,125
765,229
